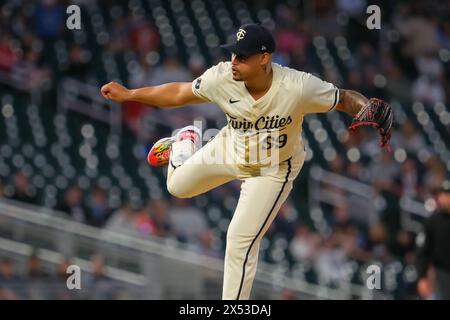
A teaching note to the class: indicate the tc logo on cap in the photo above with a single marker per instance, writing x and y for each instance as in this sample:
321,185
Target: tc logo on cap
240,34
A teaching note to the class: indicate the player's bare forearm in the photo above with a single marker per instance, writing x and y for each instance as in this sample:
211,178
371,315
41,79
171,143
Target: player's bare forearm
174,94
350,102
166,95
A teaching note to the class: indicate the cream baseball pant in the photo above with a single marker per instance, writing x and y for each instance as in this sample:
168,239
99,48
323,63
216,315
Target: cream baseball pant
263,191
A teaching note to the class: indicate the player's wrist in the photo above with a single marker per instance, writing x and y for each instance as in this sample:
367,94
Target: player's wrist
130,95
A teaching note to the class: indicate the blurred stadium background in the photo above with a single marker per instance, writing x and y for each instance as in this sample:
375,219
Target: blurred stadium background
75,187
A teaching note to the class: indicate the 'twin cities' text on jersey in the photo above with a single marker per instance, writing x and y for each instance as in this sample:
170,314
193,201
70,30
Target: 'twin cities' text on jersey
272,121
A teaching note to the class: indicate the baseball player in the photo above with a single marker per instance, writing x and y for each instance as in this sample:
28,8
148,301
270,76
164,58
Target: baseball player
261,145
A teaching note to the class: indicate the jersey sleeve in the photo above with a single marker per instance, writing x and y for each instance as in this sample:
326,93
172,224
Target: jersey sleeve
317,95
205,86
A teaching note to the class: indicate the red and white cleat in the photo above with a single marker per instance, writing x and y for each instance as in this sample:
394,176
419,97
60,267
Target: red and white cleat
159,154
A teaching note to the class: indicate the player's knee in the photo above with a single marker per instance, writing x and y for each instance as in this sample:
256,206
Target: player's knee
178,191
236,241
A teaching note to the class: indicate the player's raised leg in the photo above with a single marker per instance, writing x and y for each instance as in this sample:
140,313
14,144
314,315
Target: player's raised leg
192,170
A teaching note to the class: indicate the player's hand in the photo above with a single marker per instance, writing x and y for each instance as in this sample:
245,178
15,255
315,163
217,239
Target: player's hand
116,92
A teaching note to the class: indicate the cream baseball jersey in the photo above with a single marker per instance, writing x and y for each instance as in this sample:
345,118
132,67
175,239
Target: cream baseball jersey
267,130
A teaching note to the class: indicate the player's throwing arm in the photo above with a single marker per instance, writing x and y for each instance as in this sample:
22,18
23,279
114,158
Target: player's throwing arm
174,94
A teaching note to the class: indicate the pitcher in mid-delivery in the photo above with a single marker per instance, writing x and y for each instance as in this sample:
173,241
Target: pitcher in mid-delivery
261,145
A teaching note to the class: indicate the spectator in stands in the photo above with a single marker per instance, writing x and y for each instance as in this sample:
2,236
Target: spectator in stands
49,18
409,178
143,36
123,220
73,204
8,57
377,242
98,285
37,280
159,212
188,222
419,34
305,244
288,294
9,281
99,209
325,22
428,89
288,37
434,176
298,58
352,8
330,261
7,294
428,64
144,224
30,73
61,268
352,242
22,189
34,268
341,217
207,244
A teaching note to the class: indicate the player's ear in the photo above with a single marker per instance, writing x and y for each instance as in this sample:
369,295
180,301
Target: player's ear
265,58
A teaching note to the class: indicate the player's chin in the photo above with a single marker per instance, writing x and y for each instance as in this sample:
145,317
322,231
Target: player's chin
237,77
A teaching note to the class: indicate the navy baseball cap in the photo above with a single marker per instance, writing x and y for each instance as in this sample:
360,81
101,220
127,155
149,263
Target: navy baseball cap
251,39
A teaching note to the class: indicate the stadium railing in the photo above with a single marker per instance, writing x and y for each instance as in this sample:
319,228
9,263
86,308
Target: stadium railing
164,268
329,187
